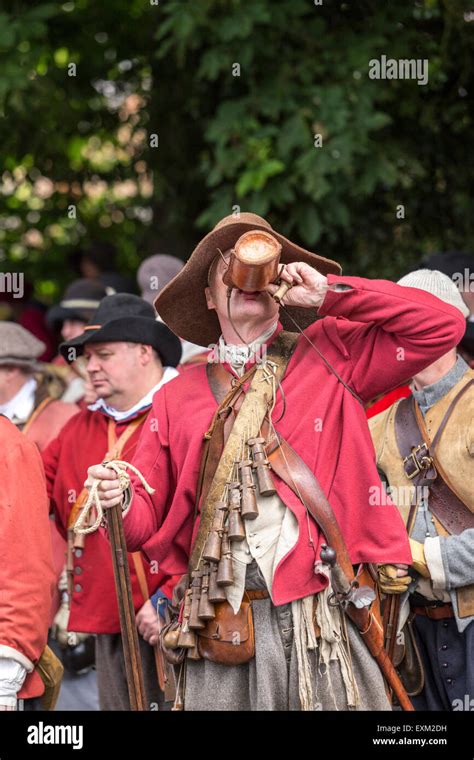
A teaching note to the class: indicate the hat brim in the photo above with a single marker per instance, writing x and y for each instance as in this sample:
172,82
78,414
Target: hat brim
130,330
57,315
182,304
14,361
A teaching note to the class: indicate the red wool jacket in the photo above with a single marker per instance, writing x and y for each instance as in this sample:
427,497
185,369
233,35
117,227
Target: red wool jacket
26,567
42,430
81,443
376,335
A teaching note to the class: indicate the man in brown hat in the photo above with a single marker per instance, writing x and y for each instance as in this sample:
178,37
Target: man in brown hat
264,457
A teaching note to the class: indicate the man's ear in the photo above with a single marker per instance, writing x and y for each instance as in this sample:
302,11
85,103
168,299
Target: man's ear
146,353
210,301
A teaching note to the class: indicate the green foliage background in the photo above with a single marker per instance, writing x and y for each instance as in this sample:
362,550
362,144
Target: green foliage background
145,68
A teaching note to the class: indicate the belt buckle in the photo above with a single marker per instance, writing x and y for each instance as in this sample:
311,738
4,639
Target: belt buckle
423,464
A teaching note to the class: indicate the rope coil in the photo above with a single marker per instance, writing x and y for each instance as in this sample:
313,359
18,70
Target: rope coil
120,468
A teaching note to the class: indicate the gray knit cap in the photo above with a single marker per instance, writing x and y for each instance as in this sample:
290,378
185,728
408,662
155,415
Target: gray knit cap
439,284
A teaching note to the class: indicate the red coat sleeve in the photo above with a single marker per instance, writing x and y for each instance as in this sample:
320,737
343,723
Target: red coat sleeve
50,457
26,569
152,458
388,332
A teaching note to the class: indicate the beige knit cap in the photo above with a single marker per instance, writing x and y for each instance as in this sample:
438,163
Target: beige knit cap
439,284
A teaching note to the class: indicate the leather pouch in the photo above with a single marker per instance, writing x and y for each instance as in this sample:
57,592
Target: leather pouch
50,669
465,599
228,639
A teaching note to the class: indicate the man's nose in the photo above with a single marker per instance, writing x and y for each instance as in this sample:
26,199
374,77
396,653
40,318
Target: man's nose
92,364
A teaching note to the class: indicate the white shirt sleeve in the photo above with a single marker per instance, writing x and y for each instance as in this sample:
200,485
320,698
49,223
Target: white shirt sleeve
12,676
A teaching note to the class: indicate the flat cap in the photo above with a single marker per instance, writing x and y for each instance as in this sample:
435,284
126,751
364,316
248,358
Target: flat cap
18,347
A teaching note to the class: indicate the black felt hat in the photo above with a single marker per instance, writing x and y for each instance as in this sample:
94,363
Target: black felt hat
80,300
125,317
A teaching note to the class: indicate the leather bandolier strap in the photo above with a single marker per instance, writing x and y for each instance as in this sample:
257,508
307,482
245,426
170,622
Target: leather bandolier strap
284,460
289,466
225,437
114,449
424,469
35,414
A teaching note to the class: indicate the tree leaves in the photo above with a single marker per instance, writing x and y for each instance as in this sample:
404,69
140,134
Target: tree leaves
265,105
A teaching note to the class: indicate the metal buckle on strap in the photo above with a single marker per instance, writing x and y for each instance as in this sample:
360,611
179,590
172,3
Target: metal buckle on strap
419,459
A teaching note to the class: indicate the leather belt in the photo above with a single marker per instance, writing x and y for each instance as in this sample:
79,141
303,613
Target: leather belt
438,612
257,593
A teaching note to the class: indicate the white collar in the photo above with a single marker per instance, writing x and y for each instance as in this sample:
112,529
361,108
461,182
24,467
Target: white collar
20,407
238,355
100,405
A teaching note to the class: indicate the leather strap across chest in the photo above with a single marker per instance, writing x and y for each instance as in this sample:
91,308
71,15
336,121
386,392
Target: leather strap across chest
423,468
114,449
36,414
224,437
289,466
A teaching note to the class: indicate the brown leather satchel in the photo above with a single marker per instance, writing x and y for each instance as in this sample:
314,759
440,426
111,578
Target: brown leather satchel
229,638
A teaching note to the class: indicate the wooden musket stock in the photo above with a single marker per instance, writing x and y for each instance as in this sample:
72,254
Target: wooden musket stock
131,652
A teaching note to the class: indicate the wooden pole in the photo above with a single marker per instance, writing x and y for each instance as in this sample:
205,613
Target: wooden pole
123,587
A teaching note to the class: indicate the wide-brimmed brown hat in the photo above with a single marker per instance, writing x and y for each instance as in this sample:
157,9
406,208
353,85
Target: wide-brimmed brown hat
182,303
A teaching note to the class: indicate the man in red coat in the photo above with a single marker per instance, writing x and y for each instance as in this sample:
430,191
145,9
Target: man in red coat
25,397
129,357
374,335
26,567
